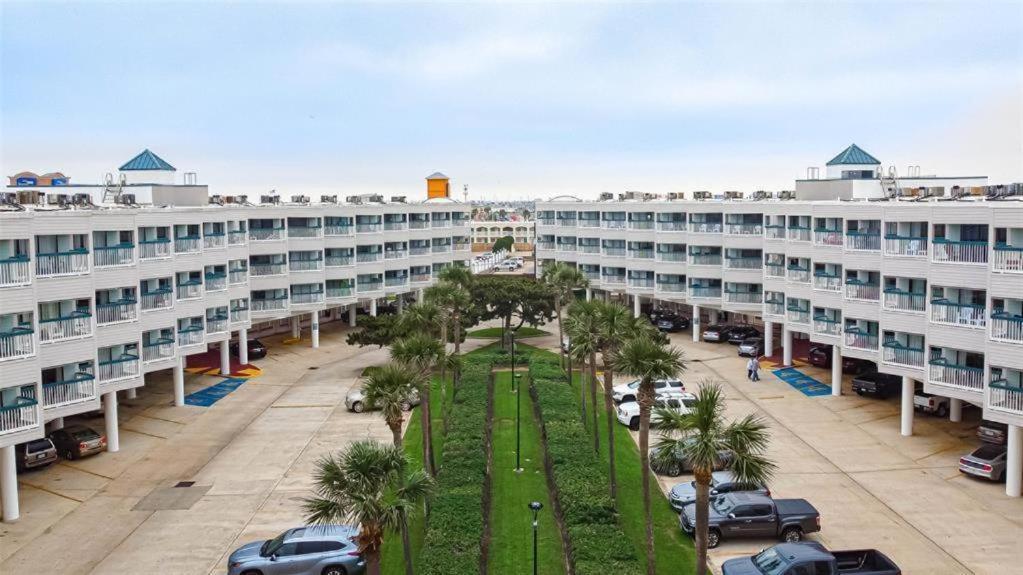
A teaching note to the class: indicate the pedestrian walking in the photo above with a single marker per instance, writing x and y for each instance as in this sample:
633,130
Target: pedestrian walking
749,368
754,369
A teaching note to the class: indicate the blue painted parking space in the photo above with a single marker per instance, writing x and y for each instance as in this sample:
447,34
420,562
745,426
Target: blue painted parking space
214,393
804,383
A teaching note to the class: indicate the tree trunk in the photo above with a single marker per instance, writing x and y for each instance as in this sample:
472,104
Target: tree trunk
457,375
610,412
561,332
427,425
593,402
372,562
406,545
702,519
646,401
582,392
395,432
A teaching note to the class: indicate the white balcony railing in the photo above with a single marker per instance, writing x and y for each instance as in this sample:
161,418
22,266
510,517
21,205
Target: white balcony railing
214,240
337,231
124,367
116,312
826,282
304,232
109,256
774,232
672,226
827,326
217,324
1007,259
154,249
367,257
236,237
419,250
216,282
191,335
950,313
266,234
341,292
395,254
960,376
158,350
306,298
1005,327
239,314
671,287
1004,396
80,388
860,339
370,228
238,276
898,354
62,264
395,281
705,227
441,248
187,245
798,316
742,297
641,283
259,270
797,274
190,290
863,241
960,252
78,324
641,225
421,278
905,246
419,224
305,265
159,299
855,289
744,229
15,272
675,256
395,226
19,415
827,237
17,343
798,234
269,304
613,224
774,270
743,263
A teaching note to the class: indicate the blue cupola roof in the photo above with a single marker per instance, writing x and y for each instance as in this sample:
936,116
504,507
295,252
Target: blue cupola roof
853,155
146,161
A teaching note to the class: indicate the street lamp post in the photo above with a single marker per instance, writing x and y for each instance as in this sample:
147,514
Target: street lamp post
518,422
536,506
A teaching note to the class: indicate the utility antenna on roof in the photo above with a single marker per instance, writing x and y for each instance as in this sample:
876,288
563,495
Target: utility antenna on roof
465,193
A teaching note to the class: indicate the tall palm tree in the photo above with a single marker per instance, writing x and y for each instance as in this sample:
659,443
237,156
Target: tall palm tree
649,361
391,389
583,327
369,485
702,438
420,317
421,352
563,279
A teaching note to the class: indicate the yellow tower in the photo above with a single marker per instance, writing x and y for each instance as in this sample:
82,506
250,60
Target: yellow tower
437,186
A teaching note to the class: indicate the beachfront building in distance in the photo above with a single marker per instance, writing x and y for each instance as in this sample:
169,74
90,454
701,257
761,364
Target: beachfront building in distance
102,285
920,274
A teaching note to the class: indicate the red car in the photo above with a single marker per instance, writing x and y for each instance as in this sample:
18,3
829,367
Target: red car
820,356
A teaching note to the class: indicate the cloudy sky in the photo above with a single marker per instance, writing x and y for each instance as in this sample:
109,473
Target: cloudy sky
515,100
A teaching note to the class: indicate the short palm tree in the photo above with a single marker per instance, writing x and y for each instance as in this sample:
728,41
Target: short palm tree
648,360
583,327
369,485
391,389
421,352
706,441
420,316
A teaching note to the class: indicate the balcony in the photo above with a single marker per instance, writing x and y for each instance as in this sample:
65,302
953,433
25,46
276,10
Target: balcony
369,286
124,367
158,350
641,224
744,297
279,303
191,335
419,224
1007,259
825,325
705,292
671,287
395,281
395,226
705,227
421,278
15,271
110,256
1004,396
305,265
545,220
774,307
464,247
17,343
898,354
69,263
641,283
861,290
743,263
565,247
613,224
300,232
339,231
950,313
827,282
191,289
236,237
826,237
672,226
440,223
238,276
545,245
395,254
774,270
155,249
214,240
744,229
187,245
341,292
441,248
162,298
960,376
566,222
641,254
797,274
77,324
705,259
959,252
266,234
588,248
588,223
260,270
905,246
116,311
865,241
593,276
20,415
78,389
1007,327
613,280
799,233
774,232
419,250
901,300
614,252
856,338
339,261
367,257
216,282
674,256
796,315
217,323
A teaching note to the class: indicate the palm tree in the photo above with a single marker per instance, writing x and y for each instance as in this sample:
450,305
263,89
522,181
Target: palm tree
649,361
583,327
563,279
420,317
391,389
369,485
702,438
421,352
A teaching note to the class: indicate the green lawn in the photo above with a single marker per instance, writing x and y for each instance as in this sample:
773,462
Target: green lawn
495,332
510,519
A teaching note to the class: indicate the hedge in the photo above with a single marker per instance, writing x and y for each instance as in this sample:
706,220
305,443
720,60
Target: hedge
594,540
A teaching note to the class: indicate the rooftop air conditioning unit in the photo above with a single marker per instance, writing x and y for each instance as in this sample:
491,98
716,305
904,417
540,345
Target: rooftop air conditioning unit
269,199
605,196
8,199
328,199
732,195
217,199
82,199
300,199
57,199
353,199
787,195
28,197
762,195
126,199
676,196
376,199
702,195
398,199
242,199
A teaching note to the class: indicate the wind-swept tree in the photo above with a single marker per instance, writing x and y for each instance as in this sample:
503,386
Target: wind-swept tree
391,389
563,280
583,328
421,352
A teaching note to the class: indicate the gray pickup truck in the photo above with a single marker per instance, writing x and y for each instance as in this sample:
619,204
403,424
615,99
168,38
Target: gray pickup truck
754,515
811,557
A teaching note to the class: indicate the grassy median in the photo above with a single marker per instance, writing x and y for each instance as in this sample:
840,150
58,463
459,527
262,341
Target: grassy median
495,332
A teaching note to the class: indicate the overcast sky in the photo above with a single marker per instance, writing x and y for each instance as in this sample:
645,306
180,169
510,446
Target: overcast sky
514,100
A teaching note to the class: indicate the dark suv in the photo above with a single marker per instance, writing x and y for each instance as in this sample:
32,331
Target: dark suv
740,333
877,384
820,356
672,323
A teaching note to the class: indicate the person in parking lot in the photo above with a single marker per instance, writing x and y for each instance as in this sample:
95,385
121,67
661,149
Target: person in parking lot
753,369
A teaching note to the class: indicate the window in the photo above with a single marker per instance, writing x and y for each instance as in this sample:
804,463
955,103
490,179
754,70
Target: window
333,545
285,550
309,547
761,510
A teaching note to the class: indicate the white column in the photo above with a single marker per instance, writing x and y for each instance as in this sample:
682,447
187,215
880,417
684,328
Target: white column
179,383
908,390
955,409
351,315
713,316
636,302
786,346
589,294
314,328
768,338
225,358
110,418
836,370
419,295
296,327
55,424
243,346
401,303
1013,465
696,323
131,393
373,307
9,484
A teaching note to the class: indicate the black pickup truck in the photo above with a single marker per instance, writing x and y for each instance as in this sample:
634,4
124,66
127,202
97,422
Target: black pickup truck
754,515
811,557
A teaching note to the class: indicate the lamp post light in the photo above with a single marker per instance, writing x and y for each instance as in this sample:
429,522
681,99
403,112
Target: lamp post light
518,422
535,506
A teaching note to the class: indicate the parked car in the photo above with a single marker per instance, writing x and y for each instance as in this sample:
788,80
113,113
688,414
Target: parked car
77,441
34,454
672,323
721,482
820,356
314,550
356,401
930,403
992,432
987,461
680,402
877,384
673,466
754,515
740,333
751,347
256,349
627,391
716,333
810,557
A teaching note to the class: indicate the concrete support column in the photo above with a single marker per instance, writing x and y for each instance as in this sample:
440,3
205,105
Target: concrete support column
225,358
420,294
131,393
696,323
836,370
713,316
110,418
955,409
1013,464
636,302
401,303
373,307
786,346
55,424
9,484
589,294
296,327
351,315
179,383
768,338
243,345
908,390
314,328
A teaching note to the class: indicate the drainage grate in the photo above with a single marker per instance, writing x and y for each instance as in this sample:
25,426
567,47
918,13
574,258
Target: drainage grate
184,484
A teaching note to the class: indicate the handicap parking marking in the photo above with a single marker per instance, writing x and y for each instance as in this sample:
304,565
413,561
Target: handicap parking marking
802,382
214,393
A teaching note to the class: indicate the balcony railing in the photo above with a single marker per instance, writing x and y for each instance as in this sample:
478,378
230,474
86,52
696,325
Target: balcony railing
960,252
826,237
15,271
961,376
369,286
1005,396
464,246
395,254
191,335
744,229
566,222
270,304
80,388
216,281
797,274
709,292
419,250
613,280
68,263
17,343
774,232
671,287
546,221
116,311
902,300
157,349
641,225
420,278
305,265
154,249
239,314
565,247
1007,327
236,237
78,324
827,282
774,307
641,254
238,276
676,256
22,414
259,270
672,226
827,326
613,224
774,270
863,241
894,352
214,240
367,228
643,283
591,275
440,223
1007,259
588,223
799,233
124,367
418,224
366,257
744,297
907,246
588,248
545,245
107,256
186,245
743,263
859,289
266,234
335,231
191,289
859,339
304,231
159,299
441,248
614,252
395,281
705,259
339,261
395,226
951,313
796,315
338,293
705,227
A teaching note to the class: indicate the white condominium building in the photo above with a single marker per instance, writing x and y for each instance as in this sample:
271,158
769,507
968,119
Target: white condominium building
923,275
102,285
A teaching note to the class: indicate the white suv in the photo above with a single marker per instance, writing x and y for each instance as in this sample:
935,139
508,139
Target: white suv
627,391
679,402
